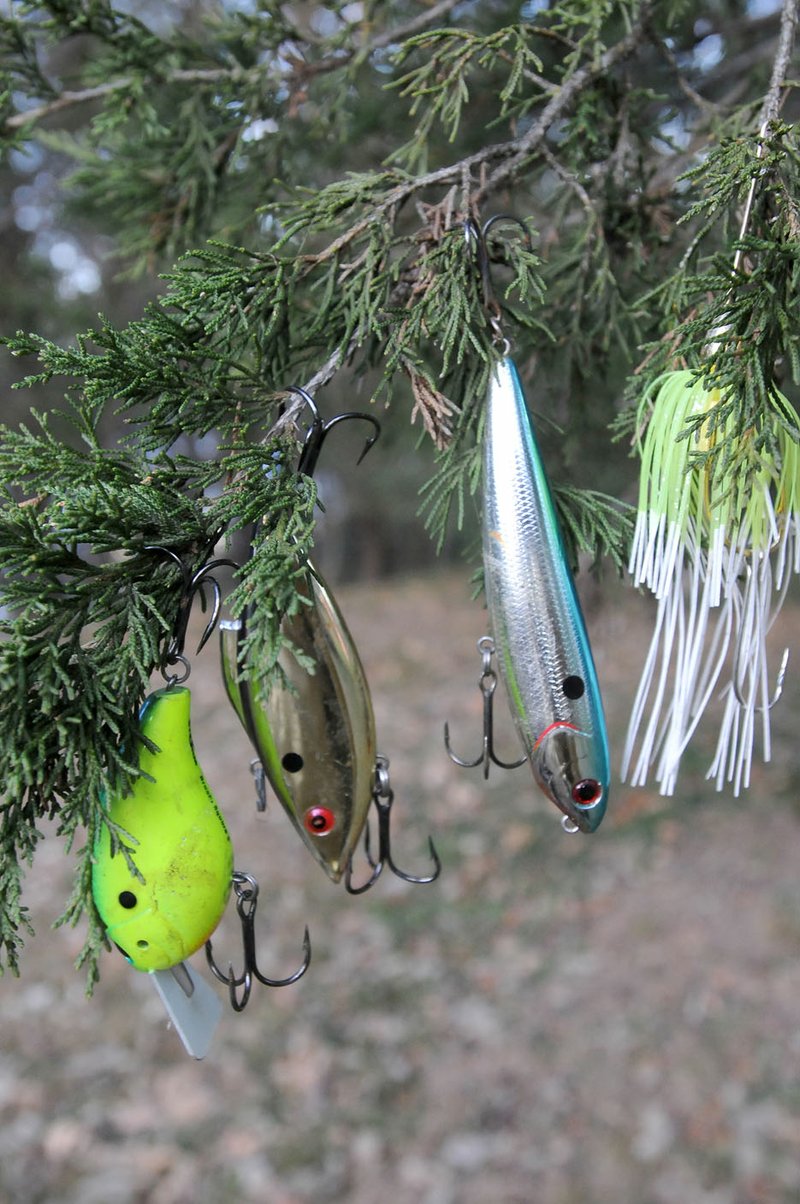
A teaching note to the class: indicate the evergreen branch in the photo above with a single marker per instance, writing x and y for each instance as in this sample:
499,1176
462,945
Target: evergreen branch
786,39
691,93
433,14
524,146
70,98
596,525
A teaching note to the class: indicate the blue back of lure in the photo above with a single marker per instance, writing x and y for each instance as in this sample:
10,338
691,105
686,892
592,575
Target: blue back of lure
544,658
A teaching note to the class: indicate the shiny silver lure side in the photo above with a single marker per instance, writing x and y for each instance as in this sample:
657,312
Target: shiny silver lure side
543,653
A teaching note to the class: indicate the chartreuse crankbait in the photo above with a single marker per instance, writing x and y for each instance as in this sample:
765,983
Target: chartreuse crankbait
315,735
543,652
539,635
182,850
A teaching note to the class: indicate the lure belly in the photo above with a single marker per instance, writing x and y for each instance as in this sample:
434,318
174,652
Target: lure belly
316,739
543,652
183,850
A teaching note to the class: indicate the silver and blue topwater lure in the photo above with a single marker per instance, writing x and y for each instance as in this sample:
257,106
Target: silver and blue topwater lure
539,635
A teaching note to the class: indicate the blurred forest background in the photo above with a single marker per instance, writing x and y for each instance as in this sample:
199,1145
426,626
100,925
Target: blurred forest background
555,1021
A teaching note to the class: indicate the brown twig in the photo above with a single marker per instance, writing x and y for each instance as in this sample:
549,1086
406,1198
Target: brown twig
72,97
572,87
788,29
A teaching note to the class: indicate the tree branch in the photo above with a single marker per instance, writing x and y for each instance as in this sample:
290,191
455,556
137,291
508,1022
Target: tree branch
71,98
416,25
772,100
66,100
569,91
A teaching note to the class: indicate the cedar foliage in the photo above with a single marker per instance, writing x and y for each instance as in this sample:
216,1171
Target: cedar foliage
301,175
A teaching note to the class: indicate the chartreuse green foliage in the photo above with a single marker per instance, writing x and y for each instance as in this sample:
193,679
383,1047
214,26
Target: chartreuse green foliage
301,175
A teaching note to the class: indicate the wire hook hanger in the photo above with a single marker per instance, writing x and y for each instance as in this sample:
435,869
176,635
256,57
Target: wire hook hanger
479,236
192,585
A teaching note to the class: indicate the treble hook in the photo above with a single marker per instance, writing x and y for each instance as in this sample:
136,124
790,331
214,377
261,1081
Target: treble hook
319,431
192,584
383,797
488,684
738,676
479,235
246,890
736,681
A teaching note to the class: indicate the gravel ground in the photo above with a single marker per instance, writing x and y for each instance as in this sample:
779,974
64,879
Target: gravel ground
558,1020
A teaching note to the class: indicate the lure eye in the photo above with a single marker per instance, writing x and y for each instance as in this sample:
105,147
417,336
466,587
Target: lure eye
319,821
587,792
573,686
292,762
127,899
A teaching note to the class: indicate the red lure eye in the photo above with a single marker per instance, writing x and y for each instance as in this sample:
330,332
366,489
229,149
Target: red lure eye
319,821
586,792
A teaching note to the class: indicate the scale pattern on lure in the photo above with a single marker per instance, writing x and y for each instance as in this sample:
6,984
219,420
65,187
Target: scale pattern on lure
544,658
315,737
183,851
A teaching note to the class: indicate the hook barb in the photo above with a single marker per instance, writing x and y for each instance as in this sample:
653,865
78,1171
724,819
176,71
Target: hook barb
736,683
319,430
487,683
383,797
192,585
246,891
753,631
204,576
473,232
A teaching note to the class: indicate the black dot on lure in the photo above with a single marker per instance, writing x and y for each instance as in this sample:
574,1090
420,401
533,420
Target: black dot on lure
573,686
127,899
292,762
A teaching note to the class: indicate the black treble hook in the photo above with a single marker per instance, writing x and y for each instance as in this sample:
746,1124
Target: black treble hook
479,235
192,584
383,797
246,890
318,431
488,684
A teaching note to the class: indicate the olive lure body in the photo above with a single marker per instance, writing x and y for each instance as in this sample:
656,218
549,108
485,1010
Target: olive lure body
543,652
315,735
182,849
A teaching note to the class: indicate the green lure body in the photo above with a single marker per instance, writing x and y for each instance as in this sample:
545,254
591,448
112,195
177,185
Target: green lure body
316,738
183,850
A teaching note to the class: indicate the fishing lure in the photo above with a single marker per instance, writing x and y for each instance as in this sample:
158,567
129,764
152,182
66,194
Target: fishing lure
315,734
314,730
183,853
543,652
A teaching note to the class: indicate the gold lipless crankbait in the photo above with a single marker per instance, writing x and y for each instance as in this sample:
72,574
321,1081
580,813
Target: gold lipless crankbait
316,738
181,847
